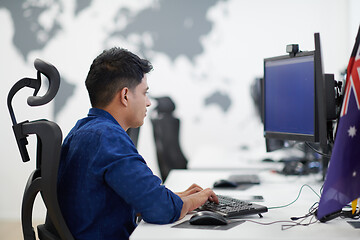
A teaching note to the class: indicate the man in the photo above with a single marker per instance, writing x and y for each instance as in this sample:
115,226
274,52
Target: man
103,181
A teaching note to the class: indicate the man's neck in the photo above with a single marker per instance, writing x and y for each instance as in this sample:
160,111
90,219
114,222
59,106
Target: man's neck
118,114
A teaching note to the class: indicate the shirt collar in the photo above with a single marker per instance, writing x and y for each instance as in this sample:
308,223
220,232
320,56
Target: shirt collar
102,113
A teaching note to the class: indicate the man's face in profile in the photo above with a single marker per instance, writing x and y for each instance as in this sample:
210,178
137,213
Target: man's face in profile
138,103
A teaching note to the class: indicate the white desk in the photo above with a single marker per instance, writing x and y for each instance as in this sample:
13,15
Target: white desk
277,190
213,157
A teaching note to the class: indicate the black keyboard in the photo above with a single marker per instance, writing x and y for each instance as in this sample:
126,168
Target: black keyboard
231,207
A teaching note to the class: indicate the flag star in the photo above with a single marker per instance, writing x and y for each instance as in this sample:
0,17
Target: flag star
352,131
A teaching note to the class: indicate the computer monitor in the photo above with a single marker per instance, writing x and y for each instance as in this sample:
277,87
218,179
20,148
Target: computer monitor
294,97
256,91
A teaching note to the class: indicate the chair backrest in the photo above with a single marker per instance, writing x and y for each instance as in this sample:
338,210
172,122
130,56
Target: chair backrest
49,138
134,135
166,134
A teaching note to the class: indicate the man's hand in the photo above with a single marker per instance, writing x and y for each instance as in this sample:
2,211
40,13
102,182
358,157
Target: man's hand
194,188
196,200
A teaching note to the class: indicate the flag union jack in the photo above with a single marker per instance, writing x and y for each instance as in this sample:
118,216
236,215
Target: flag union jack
352,83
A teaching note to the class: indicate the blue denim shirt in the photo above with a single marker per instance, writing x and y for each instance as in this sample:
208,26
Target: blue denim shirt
103,182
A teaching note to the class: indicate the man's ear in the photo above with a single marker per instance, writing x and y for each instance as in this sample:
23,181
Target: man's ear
124,96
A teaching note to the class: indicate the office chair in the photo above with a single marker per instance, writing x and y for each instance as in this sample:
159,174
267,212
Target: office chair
134,135
49,139
166,133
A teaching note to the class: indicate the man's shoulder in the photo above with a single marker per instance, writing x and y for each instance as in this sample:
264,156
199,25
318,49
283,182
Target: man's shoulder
99,133
99,125
99,128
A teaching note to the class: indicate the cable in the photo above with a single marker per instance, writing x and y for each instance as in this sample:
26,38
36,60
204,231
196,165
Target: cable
295,221
317,151
286,205
289,224
268,223
285,227
312,211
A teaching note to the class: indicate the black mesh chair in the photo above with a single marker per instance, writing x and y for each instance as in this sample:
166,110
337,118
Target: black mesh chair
166,133
49,139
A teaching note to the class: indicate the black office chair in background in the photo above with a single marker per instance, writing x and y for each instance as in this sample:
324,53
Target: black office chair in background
49,139
134,135
166,133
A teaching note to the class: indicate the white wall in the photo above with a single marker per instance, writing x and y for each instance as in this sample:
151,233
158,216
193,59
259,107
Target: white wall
245,32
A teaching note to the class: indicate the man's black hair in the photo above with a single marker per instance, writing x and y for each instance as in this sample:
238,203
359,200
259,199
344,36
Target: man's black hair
113,70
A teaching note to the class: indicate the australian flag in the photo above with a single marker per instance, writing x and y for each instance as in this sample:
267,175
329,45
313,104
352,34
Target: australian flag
342,183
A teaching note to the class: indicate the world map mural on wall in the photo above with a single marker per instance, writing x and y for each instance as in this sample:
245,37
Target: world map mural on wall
166,24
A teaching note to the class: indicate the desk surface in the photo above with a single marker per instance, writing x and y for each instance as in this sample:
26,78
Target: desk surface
216,158
277,190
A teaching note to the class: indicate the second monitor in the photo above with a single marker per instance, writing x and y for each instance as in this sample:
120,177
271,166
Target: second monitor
294,97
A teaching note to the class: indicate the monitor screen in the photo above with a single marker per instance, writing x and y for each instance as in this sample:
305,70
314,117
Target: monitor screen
289,97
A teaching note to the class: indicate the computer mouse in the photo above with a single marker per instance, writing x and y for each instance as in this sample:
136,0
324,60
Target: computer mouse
268,160
207,218
223,183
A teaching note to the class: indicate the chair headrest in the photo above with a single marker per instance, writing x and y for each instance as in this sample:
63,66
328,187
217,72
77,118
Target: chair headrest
165,105
54,82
